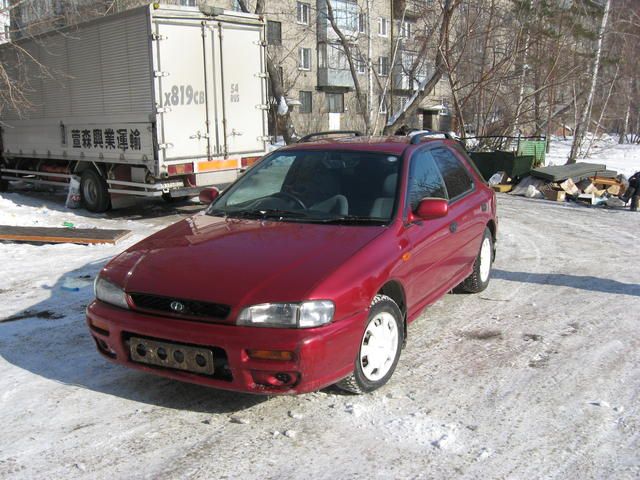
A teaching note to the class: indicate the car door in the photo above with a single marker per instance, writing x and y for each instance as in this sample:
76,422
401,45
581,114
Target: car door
464,219
429,250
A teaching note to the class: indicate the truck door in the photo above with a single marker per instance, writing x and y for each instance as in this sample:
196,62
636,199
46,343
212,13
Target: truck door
183,130
243,93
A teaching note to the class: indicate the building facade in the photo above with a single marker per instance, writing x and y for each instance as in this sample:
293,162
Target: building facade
5,21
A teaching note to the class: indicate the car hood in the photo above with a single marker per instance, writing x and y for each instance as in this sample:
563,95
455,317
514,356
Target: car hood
237,262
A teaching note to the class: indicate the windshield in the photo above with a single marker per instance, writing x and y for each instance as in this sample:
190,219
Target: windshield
316,186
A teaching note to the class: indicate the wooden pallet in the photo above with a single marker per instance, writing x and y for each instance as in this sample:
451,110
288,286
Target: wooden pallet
84,236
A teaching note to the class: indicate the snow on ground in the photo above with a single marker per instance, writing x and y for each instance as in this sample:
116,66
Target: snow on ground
537,377
623,158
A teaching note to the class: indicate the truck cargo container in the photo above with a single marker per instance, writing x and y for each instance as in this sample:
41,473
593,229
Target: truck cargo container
154,101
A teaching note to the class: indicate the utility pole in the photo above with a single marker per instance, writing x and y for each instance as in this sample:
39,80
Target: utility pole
369,67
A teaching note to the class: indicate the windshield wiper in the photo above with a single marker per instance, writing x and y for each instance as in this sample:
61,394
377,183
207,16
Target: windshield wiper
262,213
353,220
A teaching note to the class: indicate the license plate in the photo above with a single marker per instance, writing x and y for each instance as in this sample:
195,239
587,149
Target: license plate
171,355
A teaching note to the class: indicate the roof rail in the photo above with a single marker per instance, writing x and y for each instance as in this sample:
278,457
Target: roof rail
415,139
306,138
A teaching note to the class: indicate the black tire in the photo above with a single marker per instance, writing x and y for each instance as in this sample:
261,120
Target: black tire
475,282
4,184
94,192
358,382
169,199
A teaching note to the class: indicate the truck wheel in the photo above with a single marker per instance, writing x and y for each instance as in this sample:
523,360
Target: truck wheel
380,347
479,278
4,184
94,192
169,199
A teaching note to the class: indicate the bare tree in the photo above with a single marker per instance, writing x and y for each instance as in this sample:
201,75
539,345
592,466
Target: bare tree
448,9
582,124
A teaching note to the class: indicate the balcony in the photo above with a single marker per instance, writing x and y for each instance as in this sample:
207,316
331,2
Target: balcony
333,67
330,78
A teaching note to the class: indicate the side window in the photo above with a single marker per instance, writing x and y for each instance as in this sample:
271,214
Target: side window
456,177
424,179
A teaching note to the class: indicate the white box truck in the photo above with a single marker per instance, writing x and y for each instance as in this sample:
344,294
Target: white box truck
157,100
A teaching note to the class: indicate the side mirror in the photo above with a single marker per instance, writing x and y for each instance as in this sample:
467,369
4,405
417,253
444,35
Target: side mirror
208,195
431,208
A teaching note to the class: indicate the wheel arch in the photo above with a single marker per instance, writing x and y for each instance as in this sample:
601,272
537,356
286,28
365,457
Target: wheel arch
491,225
83,165
394,290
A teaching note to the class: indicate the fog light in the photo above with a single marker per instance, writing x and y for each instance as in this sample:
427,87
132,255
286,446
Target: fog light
273,379
104,347
281,355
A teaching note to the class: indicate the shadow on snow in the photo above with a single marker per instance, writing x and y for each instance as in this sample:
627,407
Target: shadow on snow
582,282
51,339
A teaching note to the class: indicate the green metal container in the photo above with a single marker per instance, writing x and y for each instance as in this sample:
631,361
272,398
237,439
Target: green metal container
535,148
515,166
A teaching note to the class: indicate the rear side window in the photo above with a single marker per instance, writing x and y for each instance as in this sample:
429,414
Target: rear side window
425,180
455,175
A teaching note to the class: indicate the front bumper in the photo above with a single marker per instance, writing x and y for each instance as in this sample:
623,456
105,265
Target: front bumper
322,355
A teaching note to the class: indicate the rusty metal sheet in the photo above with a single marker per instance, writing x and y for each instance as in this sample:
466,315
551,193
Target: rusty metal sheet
171,355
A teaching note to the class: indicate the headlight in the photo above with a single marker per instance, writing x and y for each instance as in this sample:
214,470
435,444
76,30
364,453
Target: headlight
110,293
288,315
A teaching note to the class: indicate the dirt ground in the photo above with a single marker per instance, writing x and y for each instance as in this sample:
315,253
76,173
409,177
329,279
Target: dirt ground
537,377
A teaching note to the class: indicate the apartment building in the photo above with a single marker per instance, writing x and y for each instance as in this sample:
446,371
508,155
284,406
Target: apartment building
5,21
385,41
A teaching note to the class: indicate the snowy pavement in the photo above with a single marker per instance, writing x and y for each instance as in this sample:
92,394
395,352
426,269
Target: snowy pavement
537,377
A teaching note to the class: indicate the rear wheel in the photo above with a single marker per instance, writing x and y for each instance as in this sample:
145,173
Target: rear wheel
379,348
4,184
479,278
94,192
169,199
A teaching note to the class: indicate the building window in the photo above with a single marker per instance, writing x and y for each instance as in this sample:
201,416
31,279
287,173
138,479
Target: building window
306,102
335,102
235,6
362,23
274,33
383,66
405,29
304,58
383,27
303,13
383,104
361,65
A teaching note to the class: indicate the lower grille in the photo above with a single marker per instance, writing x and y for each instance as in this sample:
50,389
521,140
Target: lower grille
180,307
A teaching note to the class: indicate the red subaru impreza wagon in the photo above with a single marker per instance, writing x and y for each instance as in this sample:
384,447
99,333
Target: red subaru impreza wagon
304,272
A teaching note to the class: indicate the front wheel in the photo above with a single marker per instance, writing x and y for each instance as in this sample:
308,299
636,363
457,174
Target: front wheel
479,278
379,348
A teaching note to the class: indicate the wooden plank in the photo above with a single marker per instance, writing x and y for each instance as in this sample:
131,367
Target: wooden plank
83,236
604,181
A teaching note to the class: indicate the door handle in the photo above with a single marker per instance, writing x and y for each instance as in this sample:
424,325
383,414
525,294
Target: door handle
453,227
